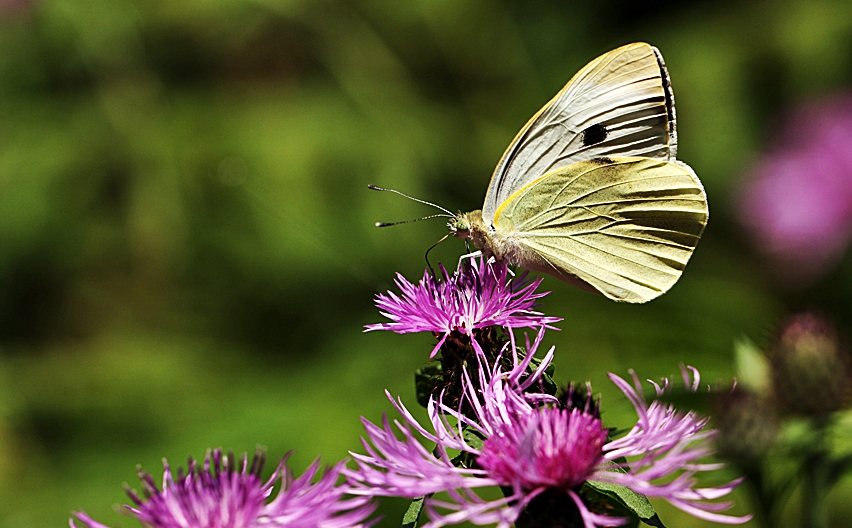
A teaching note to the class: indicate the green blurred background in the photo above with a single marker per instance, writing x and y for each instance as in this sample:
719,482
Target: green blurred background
187,250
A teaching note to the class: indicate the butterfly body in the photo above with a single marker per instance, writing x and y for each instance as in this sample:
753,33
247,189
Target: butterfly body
589,190
507,245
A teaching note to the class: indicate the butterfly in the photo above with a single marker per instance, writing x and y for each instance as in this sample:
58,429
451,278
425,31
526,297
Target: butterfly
590,191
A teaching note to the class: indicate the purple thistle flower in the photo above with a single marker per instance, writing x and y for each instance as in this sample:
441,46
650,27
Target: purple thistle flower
532,448
478,295
797,200
221,495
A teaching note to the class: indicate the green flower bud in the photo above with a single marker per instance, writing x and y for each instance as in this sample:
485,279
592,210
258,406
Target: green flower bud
810,367
748,426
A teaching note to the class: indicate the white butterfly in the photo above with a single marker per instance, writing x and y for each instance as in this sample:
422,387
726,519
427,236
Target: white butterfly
589,190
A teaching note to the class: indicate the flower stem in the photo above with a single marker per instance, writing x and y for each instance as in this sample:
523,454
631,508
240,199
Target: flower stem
816,478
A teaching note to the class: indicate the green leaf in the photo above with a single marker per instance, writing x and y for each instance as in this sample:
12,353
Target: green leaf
466,459
634,502
654,521
412,515
550,386
472,438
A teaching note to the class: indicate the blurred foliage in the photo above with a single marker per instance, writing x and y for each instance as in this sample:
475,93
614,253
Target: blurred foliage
188,252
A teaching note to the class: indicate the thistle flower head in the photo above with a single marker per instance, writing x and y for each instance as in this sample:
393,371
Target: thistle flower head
549,448
533,447
478,295
224,492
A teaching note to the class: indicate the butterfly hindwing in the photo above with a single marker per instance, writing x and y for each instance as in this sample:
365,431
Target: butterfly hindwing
624,226
620,104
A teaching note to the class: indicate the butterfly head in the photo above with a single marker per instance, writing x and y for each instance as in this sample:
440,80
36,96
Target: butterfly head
459,226
470,226
466,226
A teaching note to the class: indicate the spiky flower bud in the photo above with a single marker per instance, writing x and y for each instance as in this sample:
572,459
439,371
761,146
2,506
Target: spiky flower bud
747,425
810,368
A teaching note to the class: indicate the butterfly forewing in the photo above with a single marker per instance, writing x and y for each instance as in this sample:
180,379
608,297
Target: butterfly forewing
620,104
625,226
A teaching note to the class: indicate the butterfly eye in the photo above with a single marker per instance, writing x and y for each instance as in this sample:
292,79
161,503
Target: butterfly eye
462,225
594,134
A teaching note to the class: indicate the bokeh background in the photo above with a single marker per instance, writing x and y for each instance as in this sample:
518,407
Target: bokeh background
187,250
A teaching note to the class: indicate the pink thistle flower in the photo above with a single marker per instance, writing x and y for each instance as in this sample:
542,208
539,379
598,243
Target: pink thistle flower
478,295
221,495
797,200
531,447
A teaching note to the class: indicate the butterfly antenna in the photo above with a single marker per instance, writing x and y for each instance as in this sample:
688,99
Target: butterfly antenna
387,224
377,188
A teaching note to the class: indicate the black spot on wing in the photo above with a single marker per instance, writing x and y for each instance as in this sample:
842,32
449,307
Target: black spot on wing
594,134
602,161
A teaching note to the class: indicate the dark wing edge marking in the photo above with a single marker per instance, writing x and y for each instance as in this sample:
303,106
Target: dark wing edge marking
630,134
670,103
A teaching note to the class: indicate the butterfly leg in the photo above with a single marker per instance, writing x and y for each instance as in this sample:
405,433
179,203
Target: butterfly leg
491,260
470,256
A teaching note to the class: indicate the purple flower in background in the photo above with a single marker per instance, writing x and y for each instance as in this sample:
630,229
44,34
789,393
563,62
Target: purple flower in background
797,200
218,494
478,295
531,447
13,7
